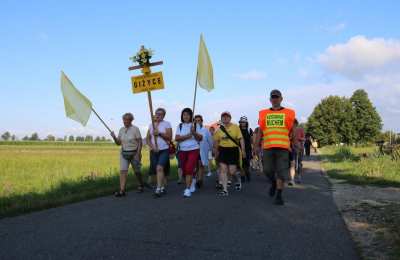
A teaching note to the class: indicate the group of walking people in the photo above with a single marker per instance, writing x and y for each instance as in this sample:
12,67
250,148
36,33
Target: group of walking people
275,146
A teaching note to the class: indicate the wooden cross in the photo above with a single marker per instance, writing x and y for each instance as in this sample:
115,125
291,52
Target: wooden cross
146,71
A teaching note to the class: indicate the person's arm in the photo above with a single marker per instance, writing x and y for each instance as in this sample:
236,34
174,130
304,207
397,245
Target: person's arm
215,145
243,147
179,137
148,140
196,135
167,136
116,139
138,156
257,141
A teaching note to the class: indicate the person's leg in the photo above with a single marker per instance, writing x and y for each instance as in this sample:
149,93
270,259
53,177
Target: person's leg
268,166
122,180
282,165
200,174
223,178
292,170
136,165
124,166
235,175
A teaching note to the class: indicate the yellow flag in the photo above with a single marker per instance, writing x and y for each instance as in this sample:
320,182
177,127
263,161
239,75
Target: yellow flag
77,106
205,75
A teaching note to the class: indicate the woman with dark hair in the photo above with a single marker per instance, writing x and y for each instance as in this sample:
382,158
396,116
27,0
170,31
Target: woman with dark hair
189,149
247,134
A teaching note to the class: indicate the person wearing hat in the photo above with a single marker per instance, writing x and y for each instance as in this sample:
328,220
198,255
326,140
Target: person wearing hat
228,145
276,125
247,134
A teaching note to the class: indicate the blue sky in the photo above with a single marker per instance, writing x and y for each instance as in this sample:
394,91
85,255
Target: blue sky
309,50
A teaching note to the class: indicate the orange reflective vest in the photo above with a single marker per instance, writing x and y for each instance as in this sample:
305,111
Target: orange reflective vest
276,126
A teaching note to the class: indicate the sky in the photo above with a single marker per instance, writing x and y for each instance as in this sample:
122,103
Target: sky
307,49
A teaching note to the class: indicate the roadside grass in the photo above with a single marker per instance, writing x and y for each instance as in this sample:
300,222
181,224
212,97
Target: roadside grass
34,177
361,166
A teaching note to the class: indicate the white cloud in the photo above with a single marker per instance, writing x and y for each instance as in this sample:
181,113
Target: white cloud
361,56
251,75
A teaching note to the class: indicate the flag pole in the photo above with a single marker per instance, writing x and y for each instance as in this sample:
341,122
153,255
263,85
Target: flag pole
195,90
94,111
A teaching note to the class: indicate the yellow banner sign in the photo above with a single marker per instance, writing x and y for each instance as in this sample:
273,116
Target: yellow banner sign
149,82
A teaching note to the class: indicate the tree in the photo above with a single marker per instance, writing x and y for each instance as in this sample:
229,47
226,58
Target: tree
50,138
6,136
103,139
71,138
97,139
367,122
88,138
80,139
26,138
13,138
34,137
331,121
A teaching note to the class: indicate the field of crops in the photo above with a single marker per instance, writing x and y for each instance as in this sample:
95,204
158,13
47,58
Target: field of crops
361,165
38,175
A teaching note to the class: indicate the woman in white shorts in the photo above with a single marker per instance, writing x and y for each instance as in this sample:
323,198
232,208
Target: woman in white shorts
130,140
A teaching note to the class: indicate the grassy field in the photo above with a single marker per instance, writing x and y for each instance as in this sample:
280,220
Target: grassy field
361,165
39,175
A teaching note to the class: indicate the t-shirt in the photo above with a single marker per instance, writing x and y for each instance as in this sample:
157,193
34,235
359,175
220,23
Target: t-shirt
129,137
162,128
299,135
189,144
206,142
224,140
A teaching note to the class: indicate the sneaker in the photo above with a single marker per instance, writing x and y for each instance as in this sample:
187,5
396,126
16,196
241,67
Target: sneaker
279,201
193,186
229,183
238,186
157,193
187,193
219,186
222,193
291,183
209,174
163,191
272,190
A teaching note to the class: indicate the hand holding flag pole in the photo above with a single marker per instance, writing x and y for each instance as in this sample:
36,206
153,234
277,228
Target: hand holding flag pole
77,106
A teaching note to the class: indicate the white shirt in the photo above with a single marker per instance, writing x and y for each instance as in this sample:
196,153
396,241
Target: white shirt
162,128
188,144
207,142
129,138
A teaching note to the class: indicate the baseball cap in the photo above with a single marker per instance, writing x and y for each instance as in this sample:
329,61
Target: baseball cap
226,113
276,92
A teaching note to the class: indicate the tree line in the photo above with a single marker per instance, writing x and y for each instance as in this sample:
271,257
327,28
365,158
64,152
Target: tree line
351,120
7,136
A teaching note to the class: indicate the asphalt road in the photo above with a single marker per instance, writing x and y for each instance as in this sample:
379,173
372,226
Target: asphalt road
245,225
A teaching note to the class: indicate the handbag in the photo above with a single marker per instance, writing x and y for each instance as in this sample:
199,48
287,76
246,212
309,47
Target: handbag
128,155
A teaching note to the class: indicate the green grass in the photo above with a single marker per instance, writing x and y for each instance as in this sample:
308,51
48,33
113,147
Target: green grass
35,175
361,165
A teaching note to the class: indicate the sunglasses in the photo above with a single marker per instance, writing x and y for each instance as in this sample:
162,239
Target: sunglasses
275,96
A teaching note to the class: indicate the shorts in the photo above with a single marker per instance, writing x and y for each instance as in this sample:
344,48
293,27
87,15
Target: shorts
228,155
160,158
189,161
276,163
124,164
210,155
